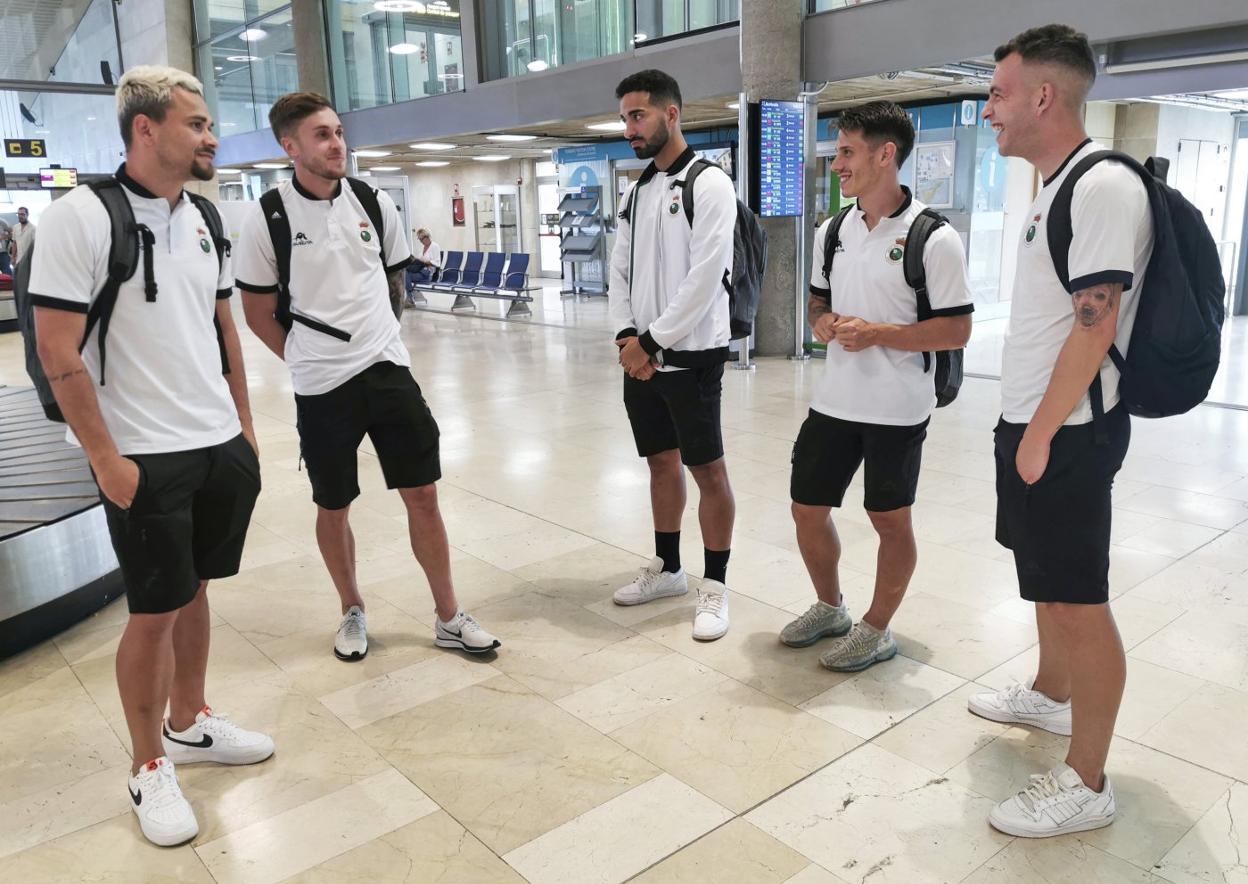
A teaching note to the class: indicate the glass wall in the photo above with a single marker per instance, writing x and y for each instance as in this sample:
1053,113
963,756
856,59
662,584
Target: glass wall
63,41
825,5
394,50
529,36
246,60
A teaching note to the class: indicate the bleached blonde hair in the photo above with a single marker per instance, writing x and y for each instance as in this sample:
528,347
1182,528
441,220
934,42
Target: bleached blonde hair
148,89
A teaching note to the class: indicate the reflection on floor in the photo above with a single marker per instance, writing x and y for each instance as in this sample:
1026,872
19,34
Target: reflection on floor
602,742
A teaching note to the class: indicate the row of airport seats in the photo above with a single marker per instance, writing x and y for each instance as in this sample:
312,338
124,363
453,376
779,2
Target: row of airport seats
467,275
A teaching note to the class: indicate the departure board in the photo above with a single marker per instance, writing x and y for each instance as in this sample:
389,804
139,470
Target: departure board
780,158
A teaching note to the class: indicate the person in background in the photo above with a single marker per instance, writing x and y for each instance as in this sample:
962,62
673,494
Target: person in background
426,265
21,237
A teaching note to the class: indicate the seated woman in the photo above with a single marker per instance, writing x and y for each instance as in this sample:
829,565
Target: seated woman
425,267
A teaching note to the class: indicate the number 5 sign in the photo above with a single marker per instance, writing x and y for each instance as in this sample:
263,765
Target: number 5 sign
15,147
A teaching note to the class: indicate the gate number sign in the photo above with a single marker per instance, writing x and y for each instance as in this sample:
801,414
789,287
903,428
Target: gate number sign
15,147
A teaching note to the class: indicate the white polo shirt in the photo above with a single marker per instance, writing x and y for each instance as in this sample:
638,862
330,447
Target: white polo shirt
336,278
882,385
23,236
1112,241
163,390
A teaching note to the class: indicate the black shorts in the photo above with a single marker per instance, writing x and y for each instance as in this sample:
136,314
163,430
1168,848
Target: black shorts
187,522
1058,528
383,402
677,409
829,450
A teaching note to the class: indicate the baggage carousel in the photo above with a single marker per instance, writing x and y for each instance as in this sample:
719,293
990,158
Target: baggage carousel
56,562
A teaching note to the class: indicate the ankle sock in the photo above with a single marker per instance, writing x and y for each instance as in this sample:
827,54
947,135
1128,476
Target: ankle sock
716,561
667,548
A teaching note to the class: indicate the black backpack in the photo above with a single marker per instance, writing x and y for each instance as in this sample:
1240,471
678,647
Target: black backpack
279,232
948,375
749,255
128,239
1176,340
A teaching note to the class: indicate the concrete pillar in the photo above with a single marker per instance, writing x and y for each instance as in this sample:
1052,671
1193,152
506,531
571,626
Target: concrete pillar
157,32
771,67
308,24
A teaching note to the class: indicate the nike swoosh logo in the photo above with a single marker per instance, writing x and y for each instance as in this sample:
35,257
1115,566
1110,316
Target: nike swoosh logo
453,632
136,797
204,742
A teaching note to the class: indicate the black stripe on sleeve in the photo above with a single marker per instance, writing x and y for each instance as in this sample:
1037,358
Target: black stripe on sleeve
222,294
395,268
58,304
256,289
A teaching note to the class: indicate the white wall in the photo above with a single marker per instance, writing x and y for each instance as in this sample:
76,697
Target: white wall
1175,123
430,192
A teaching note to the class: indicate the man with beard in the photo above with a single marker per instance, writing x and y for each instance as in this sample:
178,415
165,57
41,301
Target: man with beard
669,303
169,436
351,373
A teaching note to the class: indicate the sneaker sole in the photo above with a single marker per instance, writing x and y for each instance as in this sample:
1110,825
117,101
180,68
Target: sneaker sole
1025,832
1007,718
197,756
353,657
827,633
457,645
167,840
865,664
710,638
628,603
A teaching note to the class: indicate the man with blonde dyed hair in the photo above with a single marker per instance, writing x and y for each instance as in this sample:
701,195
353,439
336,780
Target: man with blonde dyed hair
169,436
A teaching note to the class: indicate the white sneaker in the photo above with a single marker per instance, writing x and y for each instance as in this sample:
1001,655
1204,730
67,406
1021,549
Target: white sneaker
1054,804
464,633
1019,704
165,816
215,738
351,642
652,583
710,619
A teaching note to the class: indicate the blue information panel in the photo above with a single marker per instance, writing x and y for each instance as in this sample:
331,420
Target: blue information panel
780,157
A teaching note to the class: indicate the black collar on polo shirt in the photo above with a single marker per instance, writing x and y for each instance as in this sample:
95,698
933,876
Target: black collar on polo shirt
675,168
303,191
135,187
901,210
1066,162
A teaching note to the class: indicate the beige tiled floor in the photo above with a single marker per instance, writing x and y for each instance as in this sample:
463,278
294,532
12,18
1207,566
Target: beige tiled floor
602,743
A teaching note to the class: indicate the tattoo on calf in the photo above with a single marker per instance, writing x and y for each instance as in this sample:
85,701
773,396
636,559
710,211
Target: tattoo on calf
1093,304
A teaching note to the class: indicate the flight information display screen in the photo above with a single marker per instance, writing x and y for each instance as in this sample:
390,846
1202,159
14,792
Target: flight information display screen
780,158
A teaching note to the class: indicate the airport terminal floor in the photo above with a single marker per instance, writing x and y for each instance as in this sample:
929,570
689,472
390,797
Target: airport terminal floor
602,743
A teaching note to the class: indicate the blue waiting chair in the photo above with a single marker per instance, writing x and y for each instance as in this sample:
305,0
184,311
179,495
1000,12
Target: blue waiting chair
471,276
451,271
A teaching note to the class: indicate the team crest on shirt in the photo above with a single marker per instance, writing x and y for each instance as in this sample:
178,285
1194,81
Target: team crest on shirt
897,252
675,205
366,236
1030,236
203,244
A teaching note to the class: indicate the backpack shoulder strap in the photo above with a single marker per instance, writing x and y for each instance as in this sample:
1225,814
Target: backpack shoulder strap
831,239
279,232
921,230
367,195
686,197
123,261
1059,226
212,218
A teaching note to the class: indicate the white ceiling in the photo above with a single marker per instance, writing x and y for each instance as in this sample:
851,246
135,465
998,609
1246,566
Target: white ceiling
33,33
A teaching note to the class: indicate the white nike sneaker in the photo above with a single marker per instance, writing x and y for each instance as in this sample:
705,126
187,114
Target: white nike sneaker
1055,803
165,816
1019,704
351,642
215,738
710,619
465,633
652,583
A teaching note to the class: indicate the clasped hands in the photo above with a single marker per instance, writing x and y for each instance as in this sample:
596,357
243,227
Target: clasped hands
851,332
636,361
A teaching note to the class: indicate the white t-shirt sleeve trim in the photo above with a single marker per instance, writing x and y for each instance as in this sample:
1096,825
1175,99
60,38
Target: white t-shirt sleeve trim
1104,212
63,275
256,265
948,284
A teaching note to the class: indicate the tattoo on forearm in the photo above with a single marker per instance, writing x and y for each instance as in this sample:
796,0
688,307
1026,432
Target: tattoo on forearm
1093,304
396,292
815,308
67,375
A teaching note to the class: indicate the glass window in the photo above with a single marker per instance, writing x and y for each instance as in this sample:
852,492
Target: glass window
213,18
63,41
250,68
411,49
663,18
79,131
825,5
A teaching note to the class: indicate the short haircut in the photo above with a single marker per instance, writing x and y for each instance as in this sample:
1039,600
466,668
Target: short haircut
292,108
1059,45
881,121
23,209
662,88
421,232
148,89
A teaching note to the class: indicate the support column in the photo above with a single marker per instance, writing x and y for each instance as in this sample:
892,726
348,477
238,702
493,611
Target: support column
771,67
307,20
156,32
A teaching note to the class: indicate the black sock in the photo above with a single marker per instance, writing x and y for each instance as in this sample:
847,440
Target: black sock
667,548
716,564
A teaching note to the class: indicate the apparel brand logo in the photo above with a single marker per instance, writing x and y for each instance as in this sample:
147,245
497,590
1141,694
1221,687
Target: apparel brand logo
301,239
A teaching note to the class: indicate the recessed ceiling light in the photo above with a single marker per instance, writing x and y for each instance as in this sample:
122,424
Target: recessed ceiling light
385,169
90,119
433,164
404,49
218,68
492,158
432,145
506,137
229,171
617,126
398,6
253,34
734,105
372,154
270,166
537,65
241,58
639,38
